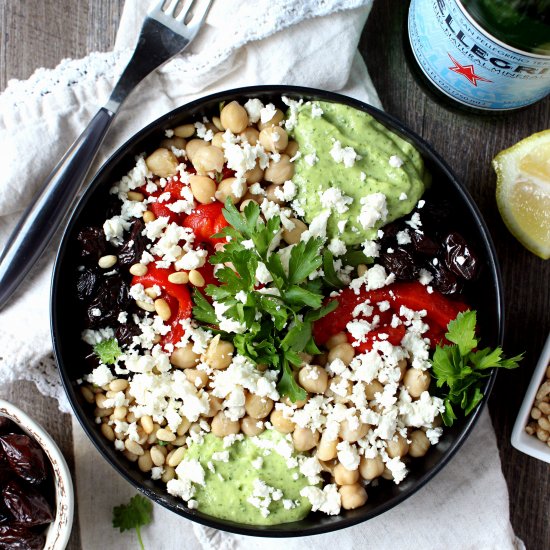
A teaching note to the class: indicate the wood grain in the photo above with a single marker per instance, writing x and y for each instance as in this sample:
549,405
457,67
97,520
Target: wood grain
36,33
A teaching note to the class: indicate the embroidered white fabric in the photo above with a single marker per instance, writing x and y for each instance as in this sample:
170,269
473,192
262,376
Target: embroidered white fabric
242,43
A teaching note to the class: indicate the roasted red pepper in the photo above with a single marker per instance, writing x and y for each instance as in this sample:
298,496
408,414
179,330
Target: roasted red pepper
206,220
177,297
440,310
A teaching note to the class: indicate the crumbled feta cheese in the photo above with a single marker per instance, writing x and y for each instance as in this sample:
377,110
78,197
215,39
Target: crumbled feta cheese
344,155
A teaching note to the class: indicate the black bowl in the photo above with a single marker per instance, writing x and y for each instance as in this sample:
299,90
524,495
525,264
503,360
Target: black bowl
485,296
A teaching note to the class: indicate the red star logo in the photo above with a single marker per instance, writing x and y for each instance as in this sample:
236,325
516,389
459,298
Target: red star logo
466,71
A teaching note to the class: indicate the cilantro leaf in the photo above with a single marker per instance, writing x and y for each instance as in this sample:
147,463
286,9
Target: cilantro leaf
134,515
462,330
459,371
108,351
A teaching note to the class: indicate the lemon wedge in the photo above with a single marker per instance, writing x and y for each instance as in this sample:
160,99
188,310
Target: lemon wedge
523,191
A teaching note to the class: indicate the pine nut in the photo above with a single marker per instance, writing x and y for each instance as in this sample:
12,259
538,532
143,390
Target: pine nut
135,196
88,394
120,384
105,262
535,413
148,216
151,292
102,413
107,432
163,309
147,424
157,456
134,447
183,427
169,474
196,279
145,305
100,399
120,413
130,456
144,462
139,270
165,435
184,131
130,417
179,278
176,457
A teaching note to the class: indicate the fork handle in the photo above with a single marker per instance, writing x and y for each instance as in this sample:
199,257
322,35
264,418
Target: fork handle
49,207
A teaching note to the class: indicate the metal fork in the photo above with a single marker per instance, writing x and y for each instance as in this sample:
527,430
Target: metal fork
164,33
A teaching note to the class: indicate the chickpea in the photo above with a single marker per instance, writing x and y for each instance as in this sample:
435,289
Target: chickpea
291,148
402,366
184,131
273,121
219,353
244,204
327,448
336,339
233,188
222,425
162,163
339,389
313,379
274,139
258,407
371,468
177,142
293,236
419,444
304,439
280,423
350,434
251,135
343,476
251,426
544,408
373,387
184,357
386,474
271,194
353,496
215,405
280,171
217,140
234,117
298,404
193,146
198,378
208,159
397,448
544,423
203,188
254,175
416,381
343,351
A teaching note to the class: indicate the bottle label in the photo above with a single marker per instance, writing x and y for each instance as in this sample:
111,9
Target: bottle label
469,65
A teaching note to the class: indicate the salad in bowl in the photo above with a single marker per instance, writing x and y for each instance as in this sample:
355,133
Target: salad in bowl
277,313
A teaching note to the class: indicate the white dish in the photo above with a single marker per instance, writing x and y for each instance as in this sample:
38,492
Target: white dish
521,440
58,533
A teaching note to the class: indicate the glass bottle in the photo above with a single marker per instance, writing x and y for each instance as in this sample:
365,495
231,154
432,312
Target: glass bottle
482,55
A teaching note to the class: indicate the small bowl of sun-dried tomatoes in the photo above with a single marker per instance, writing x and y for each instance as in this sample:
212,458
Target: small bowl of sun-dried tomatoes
36,490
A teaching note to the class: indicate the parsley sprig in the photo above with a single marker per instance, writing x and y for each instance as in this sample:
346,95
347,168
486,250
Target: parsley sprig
134,515
279,317
459,370
108,351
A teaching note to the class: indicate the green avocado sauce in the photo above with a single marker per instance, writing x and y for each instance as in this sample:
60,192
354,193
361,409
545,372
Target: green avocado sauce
375,144
226,490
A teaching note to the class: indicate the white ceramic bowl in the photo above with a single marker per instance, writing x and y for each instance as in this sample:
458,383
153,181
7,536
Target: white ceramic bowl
521,440
57,535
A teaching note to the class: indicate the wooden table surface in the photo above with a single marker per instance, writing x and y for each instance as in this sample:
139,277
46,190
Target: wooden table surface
39,33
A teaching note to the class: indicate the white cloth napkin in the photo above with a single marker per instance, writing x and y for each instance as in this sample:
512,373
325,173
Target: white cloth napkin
267,41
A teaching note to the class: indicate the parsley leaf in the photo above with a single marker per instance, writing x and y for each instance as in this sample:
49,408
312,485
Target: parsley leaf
330,276
108,351
134,515
459,371
277,315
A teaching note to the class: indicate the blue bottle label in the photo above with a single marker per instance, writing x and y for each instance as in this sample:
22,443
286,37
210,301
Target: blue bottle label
469,65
